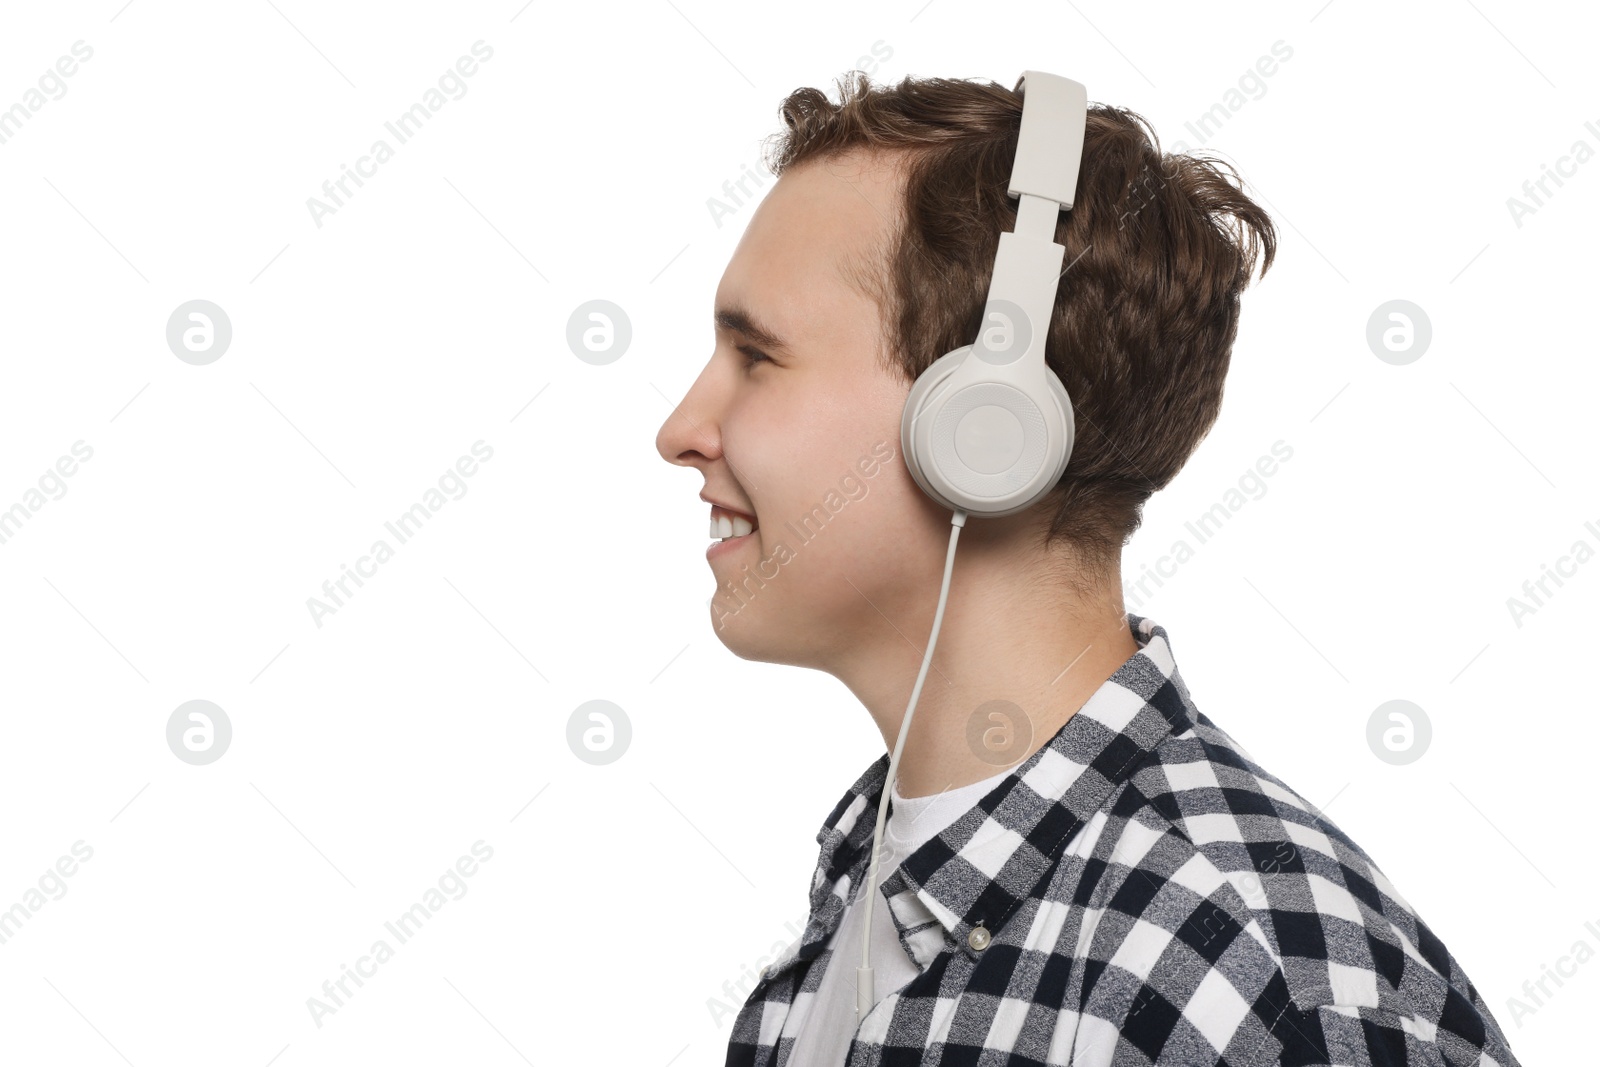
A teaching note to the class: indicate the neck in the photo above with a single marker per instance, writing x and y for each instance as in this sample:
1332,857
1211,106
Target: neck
1016,657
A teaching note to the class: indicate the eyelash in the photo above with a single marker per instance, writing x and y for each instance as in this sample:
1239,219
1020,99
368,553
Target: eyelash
750,355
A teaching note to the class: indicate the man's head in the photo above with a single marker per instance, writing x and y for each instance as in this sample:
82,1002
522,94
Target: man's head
870,258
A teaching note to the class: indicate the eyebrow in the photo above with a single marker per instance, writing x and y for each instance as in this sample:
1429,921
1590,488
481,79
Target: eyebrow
740,320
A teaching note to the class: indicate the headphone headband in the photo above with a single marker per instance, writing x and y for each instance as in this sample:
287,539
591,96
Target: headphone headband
1050,146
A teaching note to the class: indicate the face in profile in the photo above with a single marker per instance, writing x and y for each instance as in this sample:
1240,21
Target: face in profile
795,421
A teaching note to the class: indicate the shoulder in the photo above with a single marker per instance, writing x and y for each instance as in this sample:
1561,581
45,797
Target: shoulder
1218,904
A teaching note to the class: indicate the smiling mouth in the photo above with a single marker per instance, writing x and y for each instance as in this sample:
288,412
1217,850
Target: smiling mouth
727,525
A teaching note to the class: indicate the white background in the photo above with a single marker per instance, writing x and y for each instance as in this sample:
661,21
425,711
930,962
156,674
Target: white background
430,312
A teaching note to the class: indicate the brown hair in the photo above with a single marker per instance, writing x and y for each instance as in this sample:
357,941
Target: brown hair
1158,249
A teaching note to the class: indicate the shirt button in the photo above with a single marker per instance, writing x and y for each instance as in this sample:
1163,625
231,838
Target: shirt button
979,938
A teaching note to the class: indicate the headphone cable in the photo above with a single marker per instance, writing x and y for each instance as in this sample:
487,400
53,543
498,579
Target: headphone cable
864,987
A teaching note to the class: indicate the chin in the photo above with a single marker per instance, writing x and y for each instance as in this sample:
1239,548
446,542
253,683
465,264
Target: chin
732,628
738,642
741,633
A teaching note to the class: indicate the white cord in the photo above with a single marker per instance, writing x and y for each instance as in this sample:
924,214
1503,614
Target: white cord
864,987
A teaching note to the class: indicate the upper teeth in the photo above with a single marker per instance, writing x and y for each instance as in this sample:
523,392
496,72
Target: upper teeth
726,524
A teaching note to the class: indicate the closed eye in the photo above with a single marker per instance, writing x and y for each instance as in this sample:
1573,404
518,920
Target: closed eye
752,356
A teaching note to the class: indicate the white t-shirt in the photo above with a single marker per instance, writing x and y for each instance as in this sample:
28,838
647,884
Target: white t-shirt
830,1022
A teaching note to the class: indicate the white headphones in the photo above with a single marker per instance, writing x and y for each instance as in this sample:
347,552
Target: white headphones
987,429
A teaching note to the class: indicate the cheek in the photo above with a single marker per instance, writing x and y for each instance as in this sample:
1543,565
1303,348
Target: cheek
801,456
876,523
750,433
787,452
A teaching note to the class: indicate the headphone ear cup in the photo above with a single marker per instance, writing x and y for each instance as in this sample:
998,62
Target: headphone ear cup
918,401
1068,423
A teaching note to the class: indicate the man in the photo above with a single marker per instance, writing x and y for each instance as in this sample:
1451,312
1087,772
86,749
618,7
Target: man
1084,868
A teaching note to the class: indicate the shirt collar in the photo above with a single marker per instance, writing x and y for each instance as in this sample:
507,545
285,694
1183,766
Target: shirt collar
983,866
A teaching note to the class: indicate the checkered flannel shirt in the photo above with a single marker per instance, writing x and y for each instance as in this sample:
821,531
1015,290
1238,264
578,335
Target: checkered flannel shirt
1138,891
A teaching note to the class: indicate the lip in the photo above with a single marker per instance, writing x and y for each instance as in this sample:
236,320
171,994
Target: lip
726,507
722,548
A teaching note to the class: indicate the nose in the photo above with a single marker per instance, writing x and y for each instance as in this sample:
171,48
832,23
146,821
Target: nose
691,435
